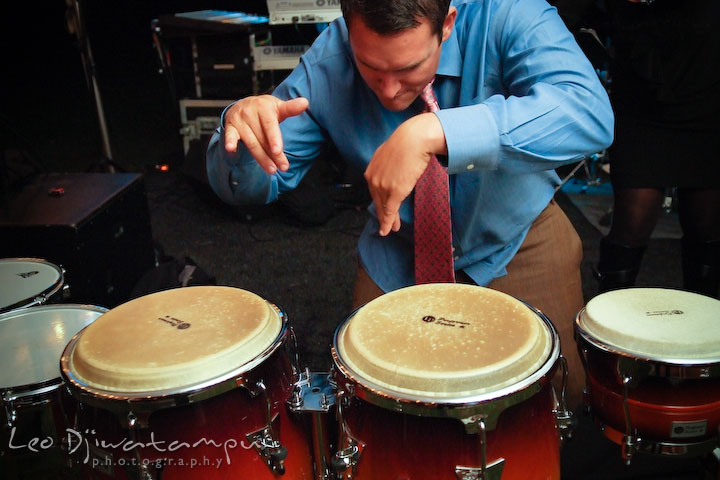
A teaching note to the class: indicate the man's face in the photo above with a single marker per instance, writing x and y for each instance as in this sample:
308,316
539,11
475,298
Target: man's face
397,67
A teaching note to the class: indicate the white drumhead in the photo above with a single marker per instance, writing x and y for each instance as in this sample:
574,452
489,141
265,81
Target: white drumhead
444,340
22,279
173,339
656,323
33,340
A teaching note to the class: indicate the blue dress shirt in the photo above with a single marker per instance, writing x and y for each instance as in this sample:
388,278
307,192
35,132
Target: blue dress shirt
518,99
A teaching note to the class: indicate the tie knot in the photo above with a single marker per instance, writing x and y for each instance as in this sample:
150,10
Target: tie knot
429,98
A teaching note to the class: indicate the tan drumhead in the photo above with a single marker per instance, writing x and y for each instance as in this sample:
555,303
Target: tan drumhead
174,338
658,323
444,340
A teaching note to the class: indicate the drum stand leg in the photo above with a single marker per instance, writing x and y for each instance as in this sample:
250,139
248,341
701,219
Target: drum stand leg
320,443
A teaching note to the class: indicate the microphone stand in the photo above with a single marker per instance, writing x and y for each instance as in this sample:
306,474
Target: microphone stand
76,25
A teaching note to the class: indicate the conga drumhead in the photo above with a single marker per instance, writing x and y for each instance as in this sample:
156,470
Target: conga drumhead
655,323
444,340
172,339
34,338
22,279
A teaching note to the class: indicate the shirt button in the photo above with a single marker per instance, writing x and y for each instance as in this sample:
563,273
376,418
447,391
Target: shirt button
456,257
471,166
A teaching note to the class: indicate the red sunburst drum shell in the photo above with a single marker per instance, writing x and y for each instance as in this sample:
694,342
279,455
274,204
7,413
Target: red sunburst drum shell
413,362
190,366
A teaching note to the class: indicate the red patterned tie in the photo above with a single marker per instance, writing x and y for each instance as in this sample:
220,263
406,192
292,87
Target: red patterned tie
432,227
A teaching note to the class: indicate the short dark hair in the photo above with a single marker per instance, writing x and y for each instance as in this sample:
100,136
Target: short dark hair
388,17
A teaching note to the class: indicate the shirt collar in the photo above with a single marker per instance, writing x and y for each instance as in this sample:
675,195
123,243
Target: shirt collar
450,59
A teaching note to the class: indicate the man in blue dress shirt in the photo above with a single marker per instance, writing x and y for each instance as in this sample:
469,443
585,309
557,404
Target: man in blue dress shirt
517,99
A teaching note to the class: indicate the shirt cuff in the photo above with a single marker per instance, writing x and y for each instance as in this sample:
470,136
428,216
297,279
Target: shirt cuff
472,138
236,177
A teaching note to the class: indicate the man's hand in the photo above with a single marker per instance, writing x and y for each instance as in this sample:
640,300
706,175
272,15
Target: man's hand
398,163
255,121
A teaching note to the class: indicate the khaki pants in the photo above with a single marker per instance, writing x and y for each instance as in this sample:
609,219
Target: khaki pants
544,273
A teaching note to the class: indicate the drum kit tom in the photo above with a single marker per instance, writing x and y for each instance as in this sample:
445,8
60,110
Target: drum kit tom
35,408
26,282
205,382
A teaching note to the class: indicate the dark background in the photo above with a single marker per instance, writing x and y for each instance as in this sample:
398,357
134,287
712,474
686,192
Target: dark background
48,110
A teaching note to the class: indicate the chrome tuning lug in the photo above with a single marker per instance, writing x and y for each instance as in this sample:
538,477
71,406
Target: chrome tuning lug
493,471
345,459
566,421
630,446
265,440
10,413
39,300
486,471
270,449
630,441
137,420
147,471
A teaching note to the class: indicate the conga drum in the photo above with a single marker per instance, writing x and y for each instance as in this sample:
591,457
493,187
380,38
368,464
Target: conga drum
652,363
26,282
36,409
446,381
188,383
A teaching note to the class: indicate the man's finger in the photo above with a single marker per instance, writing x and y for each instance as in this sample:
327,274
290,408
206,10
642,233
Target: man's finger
272,137
231,139
389,217
256,149
293,107
396,223
379,202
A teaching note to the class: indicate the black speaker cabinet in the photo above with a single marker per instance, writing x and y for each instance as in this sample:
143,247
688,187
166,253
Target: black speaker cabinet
96,226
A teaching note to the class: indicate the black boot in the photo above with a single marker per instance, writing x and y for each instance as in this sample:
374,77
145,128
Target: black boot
618,265
701,266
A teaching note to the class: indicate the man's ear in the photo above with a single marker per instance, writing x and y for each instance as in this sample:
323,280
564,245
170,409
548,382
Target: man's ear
449,23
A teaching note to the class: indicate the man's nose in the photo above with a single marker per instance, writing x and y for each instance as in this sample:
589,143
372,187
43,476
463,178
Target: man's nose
389,85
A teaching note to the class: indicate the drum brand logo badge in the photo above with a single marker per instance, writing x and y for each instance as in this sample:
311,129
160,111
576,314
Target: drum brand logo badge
28,274
664,312
174,322
444,321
